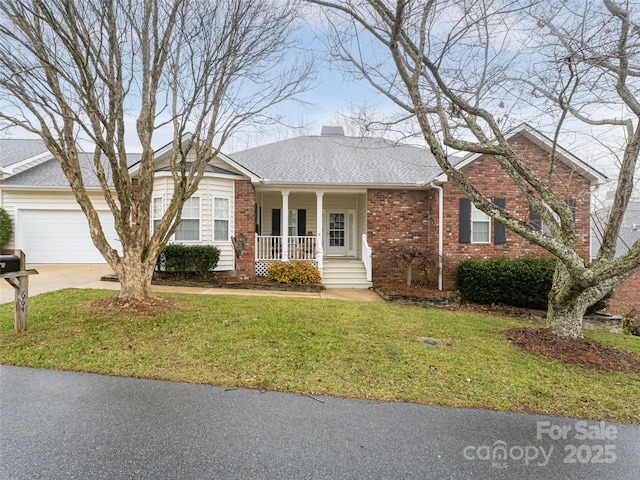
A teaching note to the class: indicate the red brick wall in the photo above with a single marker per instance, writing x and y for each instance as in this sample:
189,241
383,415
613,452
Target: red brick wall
396,216
411,216
626,298
245,223
487,175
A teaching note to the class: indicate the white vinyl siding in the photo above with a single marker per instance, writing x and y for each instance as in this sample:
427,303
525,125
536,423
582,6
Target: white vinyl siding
209,188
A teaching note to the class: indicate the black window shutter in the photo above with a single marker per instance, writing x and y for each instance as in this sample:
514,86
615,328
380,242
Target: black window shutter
464,230
534,219
302,222
275,222
572,205
258,217
499,232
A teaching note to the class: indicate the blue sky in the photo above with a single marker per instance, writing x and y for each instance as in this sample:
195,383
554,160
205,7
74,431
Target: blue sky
331,95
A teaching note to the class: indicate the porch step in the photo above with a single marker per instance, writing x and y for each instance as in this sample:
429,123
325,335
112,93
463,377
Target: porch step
344,273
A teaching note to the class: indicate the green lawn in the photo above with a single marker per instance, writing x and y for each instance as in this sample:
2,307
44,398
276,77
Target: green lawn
353,349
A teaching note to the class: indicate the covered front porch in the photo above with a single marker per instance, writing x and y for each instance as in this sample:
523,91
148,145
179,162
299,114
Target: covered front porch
311,226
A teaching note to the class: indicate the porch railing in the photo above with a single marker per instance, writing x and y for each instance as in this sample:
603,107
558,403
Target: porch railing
269,247
366,256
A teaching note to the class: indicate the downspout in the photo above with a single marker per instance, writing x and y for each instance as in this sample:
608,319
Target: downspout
440,230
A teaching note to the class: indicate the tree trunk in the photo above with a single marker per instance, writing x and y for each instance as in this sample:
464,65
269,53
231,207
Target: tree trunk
135,278
565,317
567,304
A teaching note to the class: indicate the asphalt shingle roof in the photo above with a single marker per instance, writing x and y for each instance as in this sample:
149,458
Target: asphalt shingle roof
332,159
208,169
50,174
14,151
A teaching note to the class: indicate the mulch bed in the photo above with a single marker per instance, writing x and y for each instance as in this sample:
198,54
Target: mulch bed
581,351
148,307
257,283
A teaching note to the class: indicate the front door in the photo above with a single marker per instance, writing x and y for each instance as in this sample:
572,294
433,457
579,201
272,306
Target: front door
336,233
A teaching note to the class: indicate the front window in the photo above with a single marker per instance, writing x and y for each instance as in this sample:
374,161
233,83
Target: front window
221,220
293,223
157,212
189,227
480,226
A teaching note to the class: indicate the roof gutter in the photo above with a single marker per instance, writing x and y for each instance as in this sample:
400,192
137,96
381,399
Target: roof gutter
53,188
342,185
440,229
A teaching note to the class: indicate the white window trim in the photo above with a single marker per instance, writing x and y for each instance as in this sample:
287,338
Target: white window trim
153,212
487,220
199,240
228,220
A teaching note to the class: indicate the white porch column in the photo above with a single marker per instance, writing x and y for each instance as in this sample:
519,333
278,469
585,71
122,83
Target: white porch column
319,234
285,225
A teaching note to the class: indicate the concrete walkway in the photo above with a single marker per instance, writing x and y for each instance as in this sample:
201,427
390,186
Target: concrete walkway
57,277
76,426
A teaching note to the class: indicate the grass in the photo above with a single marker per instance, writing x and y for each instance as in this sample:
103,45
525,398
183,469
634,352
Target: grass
314,346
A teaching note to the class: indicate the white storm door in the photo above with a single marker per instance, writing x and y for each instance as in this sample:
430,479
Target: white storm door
336,233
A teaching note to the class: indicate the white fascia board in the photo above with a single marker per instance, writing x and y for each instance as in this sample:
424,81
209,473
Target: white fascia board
440,179
245,171
568,158
159,153
594,176
43,188
36,160
230,176
333,187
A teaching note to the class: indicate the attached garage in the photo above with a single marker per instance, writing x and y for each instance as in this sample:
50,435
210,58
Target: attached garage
60,236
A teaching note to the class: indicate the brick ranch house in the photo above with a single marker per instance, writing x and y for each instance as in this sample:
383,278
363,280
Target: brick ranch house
332,200
338,201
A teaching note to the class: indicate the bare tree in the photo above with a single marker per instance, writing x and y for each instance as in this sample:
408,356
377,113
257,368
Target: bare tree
463,69
79,69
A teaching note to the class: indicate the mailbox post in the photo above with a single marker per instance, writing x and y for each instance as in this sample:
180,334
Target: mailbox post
13,270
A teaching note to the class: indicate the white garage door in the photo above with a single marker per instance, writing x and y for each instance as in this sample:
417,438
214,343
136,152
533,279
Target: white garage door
60,236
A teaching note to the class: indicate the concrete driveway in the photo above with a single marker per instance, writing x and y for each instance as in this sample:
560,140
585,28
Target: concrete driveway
55,277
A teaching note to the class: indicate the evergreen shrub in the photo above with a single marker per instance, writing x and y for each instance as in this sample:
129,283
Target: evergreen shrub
178,258
294,272
521,282
6,229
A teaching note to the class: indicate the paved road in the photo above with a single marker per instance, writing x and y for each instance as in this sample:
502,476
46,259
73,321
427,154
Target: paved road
58,425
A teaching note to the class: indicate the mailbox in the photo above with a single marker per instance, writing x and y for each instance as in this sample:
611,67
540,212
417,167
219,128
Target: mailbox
9,263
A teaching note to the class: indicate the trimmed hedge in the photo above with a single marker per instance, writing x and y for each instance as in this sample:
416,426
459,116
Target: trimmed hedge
178,258
522,282
296,271
6,229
